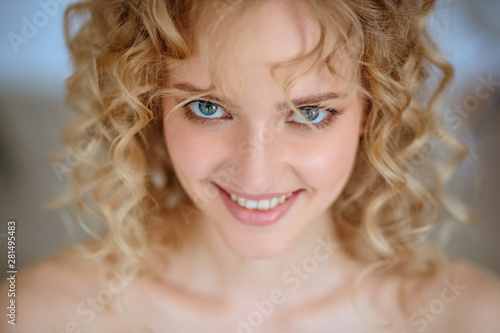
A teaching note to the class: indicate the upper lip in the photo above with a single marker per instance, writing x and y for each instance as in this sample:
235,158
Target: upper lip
252,196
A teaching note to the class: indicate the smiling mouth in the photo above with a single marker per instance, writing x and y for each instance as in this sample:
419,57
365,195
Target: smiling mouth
265,204
258,210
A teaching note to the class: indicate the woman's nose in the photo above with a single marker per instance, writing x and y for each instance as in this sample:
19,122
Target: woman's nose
258,155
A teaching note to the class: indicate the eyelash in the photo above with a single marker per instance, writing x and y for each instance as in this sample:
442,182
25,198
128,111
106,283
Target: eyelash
329,120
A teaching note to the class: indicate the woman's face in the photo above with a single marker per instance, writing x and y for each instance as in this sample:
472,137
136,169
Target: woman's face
260,177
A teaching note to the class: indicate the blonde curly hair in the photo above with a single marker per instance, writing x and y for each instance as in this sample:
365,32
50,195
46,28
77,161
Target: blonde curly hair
121,50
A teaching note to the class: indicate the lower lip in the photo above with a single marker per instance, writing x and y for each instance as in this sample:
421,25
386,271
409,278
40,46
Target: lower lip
256,217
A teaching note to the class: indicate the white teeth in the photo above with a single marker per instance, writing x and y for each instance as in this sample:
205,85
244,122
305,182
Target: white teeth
274,202
263,204
260,204
251,204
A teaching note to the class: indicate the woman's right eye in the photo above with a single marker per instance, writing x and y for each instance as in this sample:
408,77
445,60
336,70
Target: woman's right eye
205,109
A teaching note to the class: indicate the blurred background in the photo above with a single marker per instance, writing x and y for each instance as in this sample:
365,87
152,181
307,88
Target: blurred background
34,64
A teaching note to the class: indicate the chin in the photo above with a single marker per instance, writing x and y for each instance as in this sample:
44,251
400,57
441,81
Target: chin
259,253
257,246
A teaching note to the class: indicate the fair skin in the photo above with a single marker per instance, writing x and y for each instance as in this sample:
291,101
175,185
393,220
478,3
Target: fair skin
284,277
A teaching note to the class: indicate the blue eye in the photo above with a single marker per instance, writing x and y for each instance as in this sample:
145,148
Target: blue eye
312,114
205,109
205,112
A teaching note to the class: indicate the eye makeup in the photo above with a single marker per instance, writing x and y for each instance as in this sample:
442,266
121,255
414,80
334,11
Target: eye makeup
328,120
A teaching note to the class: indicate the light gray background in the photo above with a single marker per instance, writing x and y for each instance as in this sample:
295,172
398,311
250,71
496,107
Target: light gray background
32,112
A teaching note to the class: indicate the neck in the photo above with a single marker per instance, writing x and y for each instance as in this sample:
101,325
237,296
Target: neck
311,261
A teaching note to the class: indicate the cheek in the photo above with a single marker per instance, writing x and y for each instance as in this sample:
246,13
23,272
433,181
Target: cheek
329,164
331,169
193,156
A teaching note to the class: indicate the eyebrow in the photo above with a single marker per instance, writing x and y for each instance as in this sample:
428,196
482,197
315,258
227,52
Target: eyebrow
310,100
189,88
303,101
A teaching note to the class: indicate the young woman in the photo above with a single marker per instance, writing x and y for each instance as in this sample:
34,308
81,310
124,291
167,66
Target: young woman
254,164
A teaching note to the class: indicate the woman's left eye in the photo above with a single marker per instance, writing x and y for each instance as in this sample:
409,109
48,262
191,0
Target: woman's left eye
205,109
205,112
312,115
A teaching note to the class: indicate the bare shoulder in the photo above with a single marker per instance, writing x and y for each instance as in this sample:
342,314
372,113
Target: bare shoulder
52,295
459,298
478,290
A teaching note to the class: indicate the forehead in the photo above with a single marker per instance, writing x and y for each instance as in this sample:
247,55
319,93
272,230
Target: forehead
277,31
244,48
